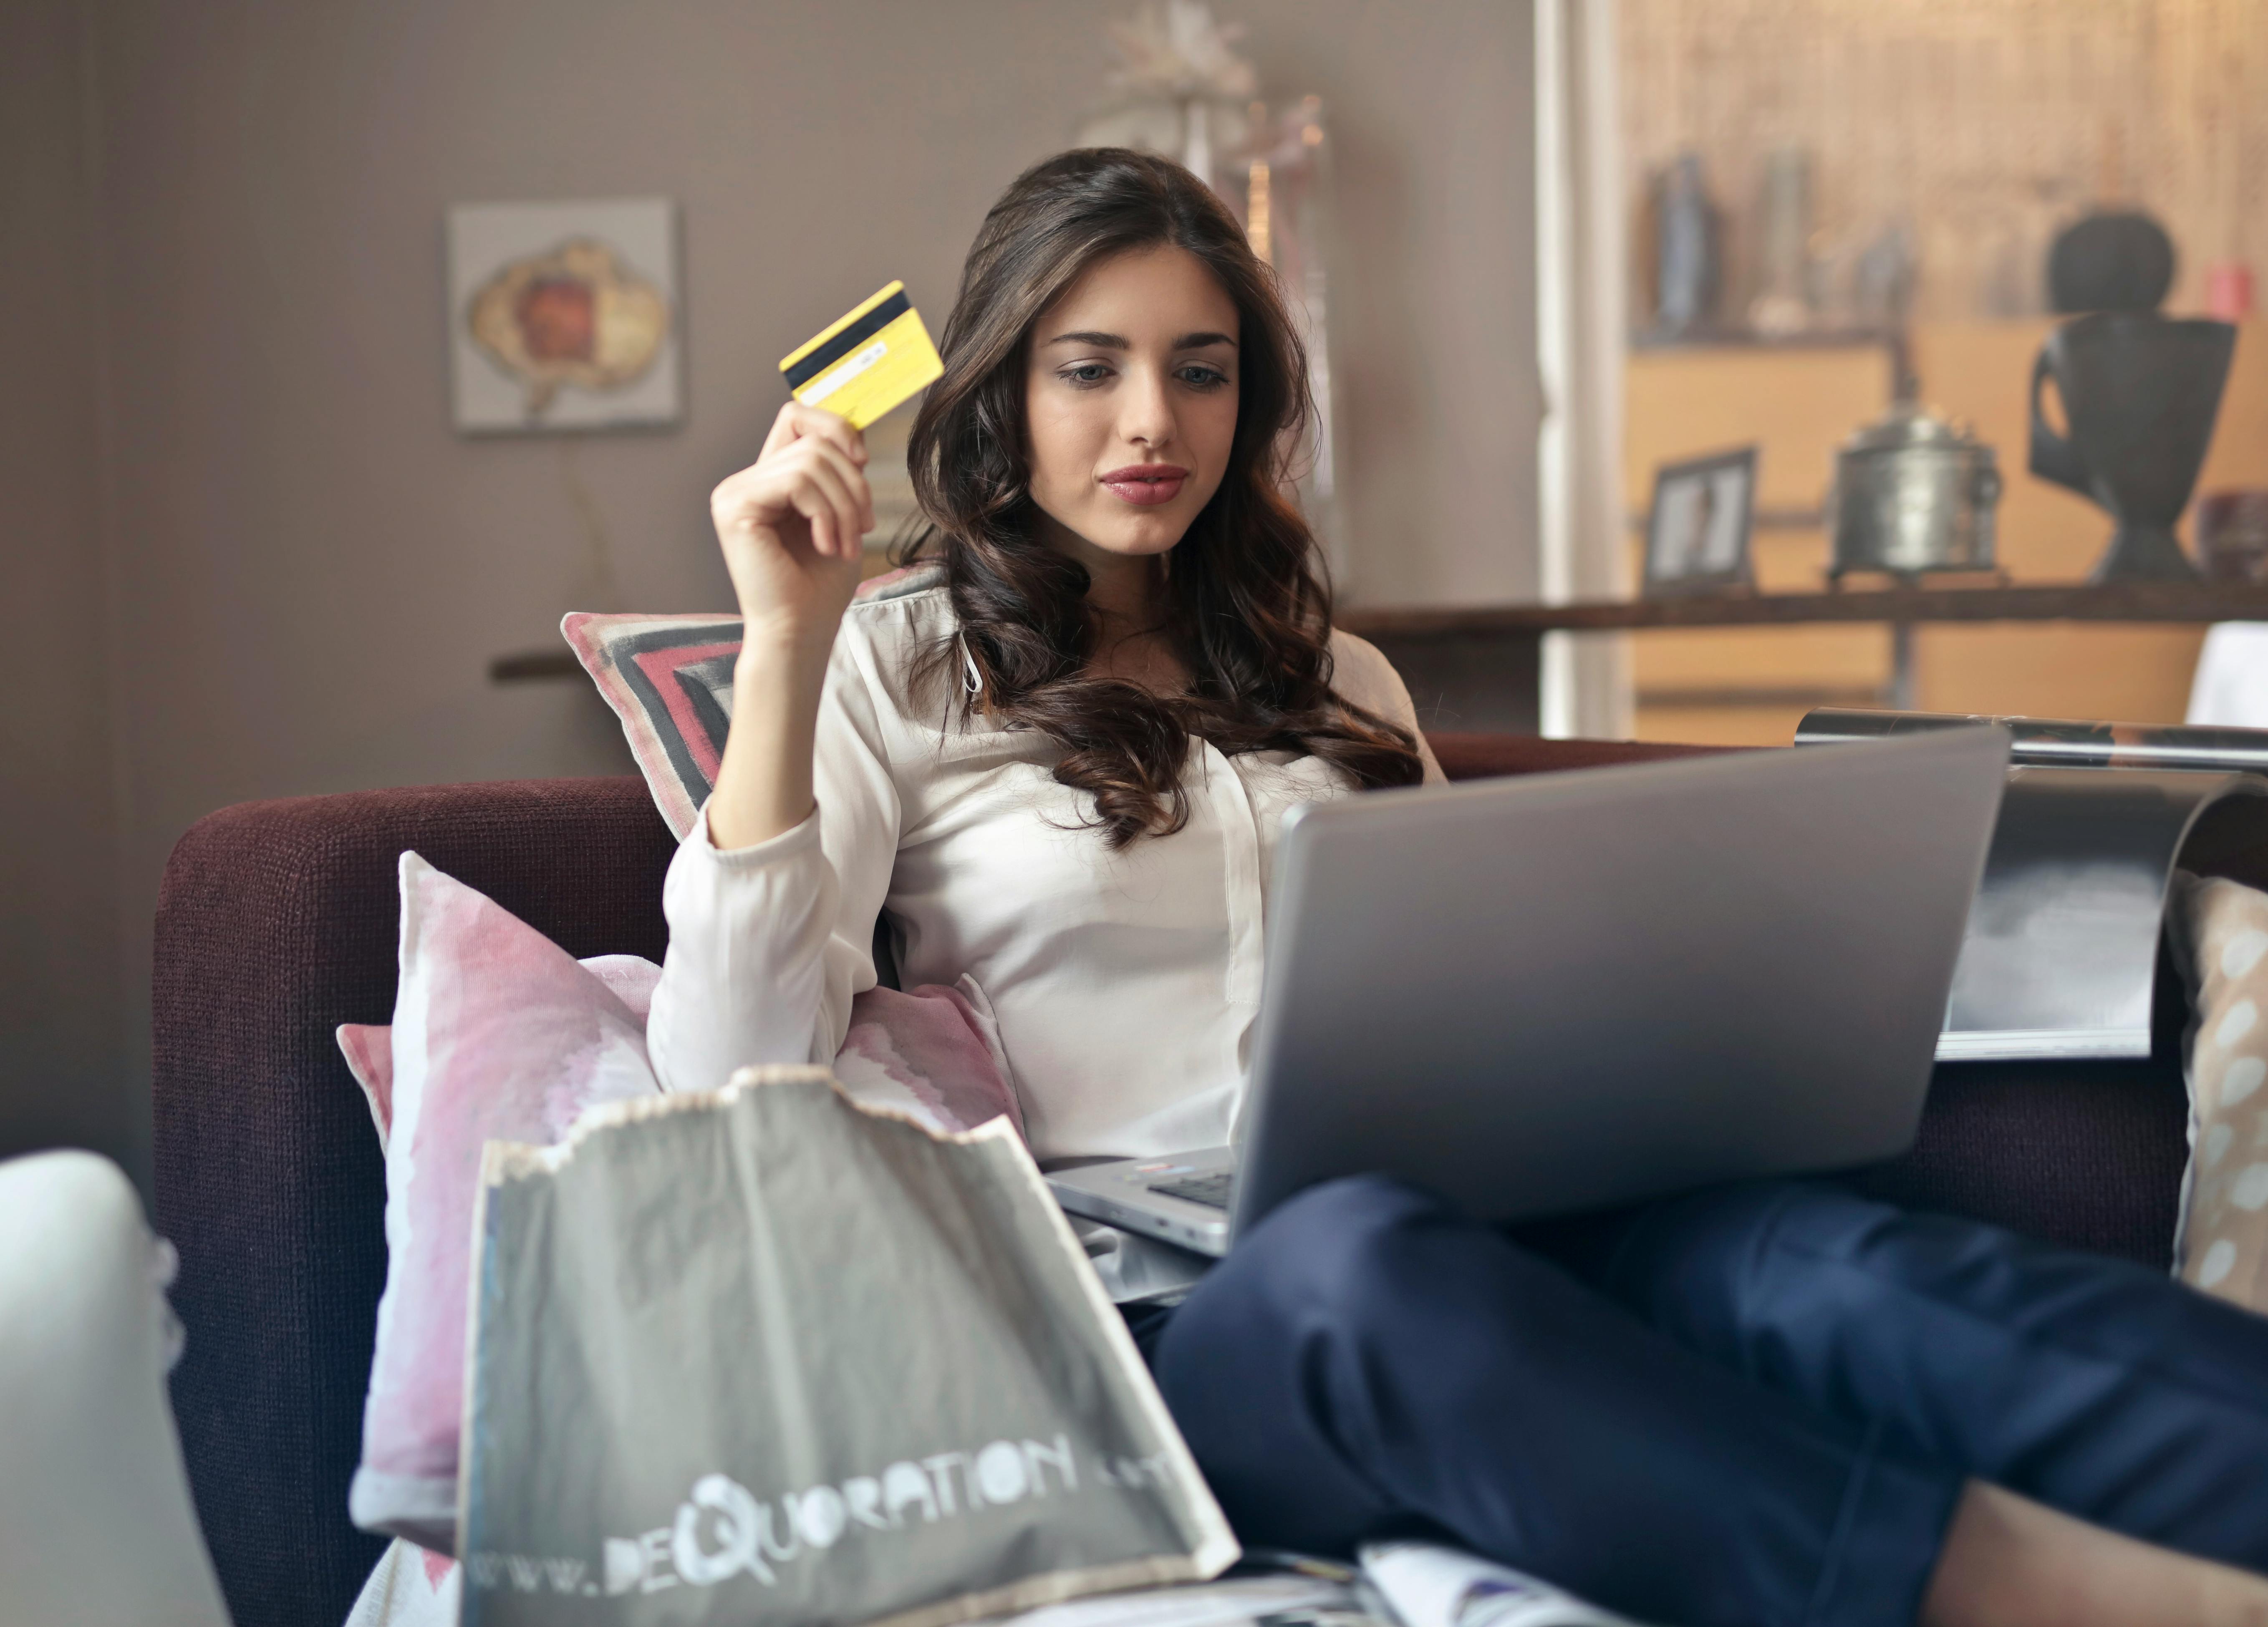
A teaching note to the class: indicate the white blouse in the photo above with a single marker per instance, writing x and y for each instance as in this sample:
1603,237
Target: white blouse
1123,984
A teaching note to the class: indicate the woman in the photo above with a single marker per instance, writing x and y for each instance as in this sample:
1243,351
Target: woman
1052,760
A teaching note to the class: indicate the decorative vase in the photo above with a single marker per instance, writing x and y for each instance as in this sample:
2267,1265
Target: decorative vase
2141,393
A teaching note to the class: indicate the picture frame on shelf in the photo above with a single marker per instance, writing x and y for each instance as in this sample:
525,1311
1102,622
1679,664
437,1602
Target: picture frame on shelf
1699,527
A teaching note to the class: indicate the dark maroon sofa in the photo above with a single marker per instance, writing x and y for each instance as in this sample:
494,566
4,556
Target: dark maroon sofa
276,923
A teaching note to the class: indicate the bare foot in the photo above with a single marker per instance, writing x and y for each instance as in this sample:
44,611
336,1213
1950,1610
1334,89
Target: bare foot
2010,1561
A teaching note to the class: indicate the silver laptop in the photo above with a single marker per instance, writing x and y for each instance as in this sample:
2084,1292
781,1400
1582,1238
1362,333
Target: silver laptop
1558,992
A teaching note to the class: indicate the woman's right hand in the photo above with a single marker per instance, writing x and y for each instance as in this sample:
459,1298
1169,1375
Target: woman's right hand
792,527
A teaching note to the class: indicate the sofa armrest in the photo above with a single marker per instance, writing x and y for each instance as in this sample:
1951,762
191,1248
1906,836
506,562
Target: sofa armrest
277,920
1484,756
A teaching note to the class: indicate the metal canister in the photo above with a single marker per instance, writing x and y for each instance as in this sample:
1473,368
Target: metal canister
1913,493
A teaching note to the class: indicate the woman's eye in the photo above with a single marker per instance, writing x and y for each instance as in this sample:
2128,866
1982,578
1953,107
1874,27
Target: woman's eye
1086,375
1203,378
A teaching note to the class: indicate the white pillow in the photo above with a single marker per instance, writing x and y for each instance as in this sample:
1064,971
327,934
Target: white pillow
2222,943
96,1523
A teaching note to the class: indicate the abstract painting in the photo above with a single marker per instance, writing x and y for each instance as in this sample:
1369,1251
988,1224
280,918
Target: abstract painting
563,316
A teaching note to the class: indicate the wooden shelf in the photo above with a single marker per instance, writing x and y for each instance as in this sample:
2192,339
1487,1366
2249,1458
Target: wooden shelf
1476,668
534,667
2125,601
1646,340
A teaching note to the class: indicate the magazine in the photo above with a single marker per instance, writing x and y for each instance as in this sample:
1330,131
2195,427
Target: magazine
1428,1586
2060,743
1399,1584
2060,957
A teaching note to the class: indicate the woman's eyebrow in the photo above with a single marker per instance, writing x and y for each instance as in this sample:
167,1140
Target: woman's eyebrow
1118,341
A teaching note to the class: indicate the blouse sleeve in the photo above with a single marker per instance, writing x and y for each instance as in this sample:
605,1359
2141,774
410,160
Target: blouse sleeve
1362,674
769,944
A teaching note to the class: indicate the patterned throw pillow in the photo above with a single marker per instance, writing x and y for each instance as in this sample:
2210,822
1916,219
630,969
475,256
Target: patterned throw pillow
2222,1246
669,679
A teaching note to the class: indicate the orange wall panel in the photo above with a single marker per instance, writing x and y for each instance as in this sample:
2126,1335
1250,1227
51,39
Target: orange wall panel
1797,402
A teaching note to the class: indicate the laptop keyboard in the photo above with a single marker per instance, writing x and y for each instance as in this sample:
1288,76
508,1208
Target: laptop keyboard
1212,1190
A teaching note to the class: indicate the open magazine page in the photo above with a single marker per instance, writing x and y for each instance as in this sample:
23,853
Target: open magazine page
2059,960
1432,1587
2060,742
1400,1585
1302,1594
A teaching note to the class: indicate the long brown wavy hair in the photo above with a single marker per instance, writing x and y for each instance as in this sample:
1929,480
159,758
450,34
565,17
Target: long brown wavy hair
1248,609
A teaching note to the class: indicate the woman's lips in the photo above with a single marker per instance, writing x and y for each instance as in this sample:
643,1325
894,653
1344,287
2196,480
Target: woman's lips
1146,485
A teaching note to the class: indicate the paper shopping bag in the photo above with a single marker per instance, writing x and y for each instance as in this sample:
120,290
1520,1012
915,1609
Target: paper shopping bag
764,1355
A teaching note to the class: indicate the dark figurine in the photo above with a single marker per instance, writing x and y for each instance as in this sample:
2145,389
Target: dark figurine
2114,260
2140,391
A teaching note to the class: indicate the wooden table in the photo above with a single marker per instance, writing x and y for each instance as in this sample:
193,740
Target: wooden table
1478,668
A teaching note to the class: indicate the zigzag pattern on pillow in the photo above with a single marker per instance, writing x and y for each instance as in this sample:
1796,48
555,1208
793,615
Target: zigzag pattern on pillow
669,679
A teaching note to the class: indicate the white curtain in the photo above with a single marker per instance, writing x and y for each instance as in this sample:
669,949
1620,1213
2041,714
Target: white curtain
1581,313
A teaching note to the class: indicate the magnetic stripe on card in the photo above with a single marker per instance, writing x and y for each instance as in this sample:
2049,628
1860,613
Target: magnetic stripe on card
850,334
862,390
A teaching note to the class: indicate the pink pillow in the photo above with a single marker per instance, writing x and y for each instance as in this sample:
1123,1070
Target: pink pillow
368,1047
933,1055
499,1035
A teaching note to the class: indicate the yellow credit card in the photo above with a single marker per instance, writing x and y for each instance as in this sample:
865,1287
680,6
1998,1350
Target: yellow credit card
870,362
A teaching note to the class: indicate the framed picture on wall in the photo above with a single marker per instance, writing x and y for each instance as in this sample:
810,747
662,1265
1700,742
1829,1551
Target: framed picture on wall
563,316
1696,532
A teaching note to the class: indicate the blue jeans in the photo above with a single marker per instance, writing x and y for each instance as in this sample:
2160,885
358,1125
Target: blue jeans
1755,1404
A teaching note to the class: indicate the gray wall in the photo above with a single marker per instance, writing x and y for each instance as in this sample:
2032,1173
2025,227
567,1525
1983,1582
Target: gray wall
62,1058
309,570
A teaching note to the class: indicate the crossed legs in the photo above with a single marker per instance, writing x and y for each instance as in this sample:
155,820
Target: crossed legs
1764,1404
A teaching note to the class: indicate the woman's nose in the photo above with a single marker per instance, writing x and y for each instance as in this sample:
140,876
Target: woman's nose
1147,411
